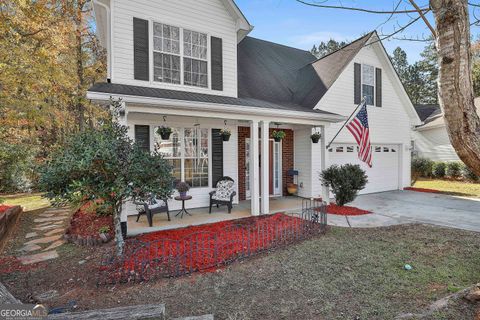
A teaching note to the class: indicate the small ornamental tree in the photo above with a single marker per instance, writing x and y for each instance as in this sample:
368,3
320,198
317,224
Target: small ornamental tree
344,181
104,163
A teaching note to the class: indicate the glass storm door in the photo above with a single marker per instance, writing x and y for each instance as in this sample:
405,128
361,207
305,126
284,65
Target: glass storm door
275,185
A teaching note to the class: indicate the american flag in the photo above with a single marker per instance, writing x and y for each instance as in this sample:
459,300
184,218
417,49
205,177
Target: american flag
360,131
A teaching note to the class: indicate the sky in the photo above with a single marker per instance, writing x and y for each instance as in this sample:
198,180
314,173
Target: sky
295,24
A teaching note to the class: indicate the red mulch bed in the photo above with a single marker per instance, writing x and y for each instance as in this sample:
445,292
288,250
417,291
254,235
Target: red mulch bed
4,208
422,190
10,264
86,223
206,246
345,210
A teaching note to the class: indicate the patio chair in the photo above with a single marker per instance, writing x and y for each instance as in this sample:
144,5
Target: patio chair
224,193
151,207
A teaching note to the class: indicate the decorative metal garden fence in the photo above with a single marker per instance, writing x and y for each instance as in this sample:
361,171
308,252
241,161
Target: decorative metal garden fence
203,250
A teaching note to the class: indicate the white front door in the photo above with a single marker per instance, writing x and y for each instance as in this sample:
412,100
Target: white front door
275,162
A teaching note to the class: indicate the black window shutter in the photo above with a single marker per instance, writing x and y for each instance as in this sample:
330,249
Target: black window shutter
378,87
142,137
217,156
140,49
357,79
217,63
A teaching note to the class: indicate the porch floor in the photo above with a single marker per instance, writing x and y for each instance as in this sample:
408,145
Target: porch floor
201,215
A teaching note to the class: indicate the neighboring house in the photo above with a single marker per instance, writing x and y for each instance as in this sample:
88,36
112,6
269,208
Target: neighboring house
190,65
430,139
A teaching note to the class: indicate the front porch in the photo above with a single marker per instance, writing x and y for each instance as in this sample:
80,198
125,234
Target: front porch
201,216
260,166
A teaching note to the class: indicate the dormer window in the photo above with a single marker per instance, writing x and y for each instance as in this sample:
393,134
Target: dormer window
166,53
368,83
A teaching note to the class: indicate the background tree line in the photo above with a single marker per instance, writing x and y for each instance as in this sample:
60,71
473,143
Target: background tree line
418,78
49,56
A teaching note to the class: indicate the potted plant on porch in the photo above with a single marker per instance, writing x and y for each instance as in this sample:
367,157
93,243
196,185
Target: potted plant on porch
278,135
225,133
164,132
182,188
315,137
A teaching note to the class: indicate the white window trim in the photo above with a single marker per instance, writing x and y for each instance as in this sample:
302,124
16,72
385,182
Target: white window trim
374,81
167,85
182,157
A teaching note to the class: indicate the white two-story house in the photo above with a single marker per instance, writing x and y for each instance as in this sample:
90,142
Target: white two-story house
190,65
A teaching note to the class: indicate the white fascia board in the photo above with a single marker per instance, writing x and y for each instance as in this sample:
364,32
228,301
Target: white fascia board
242,24
217,110
428,127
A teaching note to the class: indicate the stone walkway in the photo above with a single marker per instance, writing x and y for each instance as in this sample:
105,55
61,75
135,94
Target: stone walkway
40,244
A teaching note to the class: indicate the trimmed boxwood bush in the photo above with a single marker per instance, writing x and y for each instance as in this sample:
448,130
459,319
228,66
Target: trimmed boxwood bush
469,175
421,167
439,169
344,181
454,169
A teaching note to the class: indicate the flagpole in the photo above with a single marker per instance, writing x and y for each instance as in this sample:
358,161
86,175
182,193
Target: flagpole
361,103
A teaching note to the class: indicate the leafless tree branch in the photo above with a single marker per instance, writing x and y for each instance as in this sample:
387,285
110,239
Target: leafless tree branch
319,5
421,13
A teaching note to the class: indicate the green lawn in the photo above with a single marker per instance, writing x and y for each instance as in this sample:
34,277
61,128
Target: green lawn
29,201
460,188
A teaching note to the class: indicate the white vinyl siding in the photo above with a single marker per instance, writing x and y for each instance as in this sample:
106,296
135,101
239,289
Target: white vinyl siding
207,16
434,144
390,124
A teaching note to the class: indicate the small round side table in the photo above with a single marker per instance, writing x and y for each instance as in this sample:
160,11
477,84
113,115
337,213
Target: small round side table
183,199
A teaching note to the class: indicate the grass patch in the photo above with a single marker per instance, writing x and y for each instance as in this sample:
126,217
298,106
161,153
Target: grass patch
460,188
29,201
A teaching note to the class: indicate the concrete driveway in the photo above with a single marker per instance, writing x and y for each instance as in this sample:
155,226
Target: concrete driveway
398,207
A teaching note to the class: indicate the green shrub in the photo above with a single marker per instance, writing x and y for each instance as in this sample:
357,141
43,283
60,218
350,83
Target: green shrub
454,169
16,167
344,181
421,167
439,169
469,175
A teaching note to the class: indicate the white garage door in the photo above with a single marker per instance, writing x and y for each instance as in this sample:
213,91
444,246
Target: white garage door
384,173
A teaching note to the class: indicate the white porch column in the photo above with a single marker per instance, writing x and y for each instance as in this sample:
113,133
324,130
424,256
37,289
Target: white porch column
265,174
254,174
323,162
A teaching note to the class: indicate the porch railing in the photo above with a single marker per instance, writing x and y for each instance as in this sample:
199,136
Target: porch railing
143,261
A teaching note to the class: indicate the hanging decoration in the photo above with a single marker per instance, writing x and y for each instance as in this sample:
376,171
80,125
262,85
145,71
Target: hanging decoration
225,132
164,131
315,136
278,135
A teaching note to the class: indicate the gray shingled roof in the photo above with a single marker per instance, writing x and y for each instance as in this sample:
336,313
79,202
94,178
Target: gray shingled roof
427,112
122,89
316,78
270,75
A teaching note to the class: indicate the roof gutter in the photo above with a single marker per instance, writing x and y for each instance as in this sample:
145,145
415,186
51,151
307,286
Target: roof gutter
103,97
